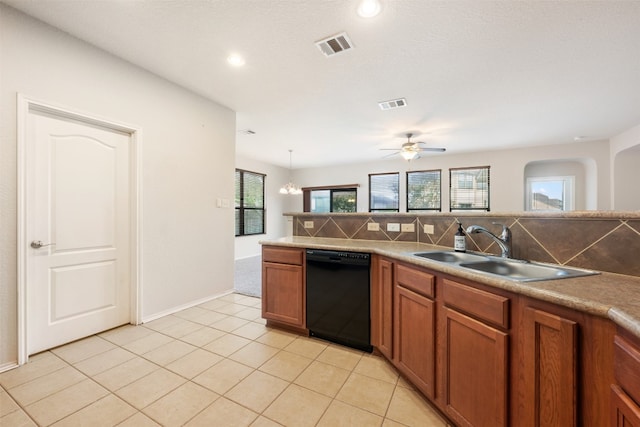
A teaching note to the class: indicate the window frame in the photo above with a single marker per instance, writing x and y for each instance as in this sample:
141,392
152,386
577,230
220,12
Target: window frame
306,195
475,189
568,190
423,209
332,192
397,209
240,209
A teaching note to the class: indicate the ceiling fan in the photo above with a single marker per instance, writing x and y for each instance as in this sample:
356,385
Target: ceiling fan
411,149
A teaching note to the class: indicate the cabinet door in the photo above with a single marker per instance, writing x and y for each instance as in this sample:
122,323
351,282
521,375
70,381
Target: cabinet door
475,371
283,293
414,338
382,309
550,363
624,411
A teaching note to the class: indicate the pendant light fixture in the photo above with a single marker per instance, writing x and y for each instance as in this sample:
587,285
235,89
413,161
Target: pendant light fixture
290,188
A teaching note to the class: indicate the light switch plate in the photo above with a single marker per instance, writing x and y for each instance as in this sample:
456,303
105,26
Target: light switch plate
373,226
408,228
393,226
308,224
428,228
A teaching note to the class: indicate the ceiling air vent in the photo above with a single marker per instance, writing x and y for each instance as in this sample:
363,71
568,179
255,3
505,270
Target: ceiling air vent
334,44
394,103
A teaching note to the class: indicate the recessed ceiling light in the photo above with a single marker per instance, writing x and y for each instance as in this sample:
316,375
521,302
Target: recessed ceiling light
369,8
235,60
579,138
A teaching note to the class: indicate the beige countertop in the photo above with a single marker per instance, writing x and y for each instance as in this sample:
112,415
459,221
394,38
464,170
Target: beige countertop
614,296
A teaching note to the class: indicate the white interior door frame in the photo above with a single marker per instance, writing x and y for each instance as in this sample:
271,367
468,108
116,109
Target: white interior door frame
25,105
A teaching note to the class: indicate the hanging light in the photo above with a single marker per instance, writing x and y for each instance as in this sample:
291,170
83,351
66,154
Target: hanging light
290,188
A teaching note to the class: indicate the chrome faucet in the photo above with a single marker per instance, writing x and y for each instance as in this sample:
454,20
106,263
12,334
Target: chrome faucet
504,241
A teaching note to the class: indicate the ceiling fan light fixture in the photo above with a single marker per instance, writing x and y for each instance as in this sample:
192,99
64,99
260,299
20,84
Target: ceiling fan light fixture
409,154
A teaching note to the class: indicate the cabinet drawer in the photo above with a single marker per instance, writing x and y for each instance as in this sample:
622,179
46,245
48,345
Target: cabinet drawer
282,255
415,280
627,367
483,305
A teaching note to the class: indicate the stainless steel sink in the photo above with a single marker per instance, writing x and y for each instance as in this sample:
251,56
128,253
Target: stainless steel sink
507,268
450,257
523,271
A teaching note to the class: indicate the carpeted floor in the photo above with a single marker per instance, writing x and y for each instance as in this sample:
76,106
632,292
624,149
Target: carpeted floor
248,276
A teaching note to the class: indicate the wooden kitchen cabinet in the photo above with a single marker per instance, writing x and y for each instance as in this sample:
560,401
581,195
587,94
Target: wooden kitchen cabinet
566,368
382,306
550,369
625,394
414,327
283,287
624,411
474,356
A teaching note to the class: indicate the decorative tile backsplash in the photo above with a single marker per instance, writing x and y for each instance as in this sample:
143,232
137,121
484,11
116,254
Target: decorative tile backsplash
599,241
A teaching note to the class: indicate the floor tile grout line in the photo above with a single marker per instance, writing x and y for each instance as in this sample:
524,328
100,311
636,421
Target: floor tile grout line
292,382
190,380
23,407
87,377
20,407
186,380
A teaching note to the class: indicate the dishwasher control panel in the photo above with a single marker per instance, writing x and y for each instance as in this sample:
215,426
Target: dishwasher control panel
338,256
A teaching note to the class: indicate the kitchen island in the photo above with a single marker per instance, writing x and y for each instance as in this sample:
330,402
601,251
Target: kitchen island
487,350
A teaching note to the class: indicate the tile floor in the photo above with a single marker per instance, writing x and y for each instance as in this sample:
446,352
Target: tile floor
216,364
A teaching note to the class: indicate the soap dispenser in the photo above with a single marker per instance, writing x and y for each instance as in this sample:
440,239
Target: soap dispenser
460,239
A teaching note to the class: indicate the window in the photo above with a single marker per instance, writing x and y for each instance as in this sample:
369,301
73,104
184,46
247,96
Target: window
249,203
554,193
469,189
384,192
333,200
423,191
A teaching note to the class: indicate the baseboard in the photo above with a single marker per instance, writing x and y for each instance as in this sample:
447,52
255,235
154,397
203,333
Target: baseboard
147,319
8,366
247,257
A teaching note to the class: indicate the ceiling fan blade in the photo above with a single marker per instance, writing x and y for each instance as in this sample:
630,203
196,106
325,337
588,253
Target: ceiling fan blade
394,149
389,155
440,150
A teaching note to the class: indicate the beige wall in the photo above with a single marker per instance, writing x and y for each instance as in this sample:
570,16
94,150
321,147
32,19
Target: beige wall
507,173
625,158
188,155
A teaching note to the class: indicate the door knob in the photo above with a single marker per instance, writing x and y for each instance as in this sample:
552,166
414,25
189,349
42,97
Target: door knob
37,244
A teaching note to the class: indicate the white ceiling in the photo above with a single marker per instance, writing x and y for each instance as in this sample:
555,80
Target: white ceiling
477,75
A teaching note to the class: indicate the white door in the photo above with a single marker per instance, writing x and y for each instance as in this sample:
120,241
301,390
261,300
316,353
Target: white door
78,271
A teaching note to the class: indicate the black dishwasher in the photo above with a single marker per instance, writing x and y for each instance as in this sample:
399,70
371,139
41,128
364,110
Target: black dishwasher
338,297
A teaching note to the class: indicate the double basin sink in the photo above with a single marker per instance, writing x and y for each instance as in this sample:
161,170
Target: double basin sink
506,268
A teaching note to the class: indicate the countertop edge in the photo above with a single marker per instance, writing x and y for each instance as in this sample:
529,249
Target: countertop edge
508,214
